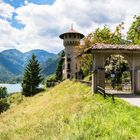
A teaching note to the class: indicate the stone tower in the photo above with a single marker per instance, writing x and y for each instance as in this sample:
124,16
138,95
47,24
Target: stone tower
71,41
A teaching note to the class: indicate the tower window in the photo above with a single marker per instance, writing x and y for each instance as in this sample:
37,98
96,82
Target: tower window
68,76
69,35
68,59
76,75
68,65
76,66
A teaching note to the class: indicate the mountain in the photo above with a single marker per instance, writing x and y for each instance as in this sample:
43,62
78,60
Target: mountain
12,67
49,67
14,56
41,55
12,63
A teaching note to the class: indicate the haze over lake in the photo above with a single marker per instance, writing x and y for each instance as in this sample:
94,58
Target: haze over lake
15,87
12,87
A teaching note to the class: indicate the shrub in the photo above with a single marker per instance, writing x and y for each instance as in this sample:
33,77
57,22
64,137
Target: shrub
51,81
3,92
3,105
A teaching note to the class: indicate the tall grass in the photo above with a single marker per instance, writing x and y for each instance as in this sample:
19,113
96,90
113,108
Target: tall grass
70,112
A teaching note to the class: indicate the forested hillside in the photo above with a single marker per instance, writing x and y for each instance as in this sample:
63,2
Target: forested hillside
13,62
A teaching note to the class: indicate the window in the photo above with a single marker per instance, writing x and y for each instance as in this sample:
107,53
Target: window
68,76
68,55
76,75
68,65
76,66
68,59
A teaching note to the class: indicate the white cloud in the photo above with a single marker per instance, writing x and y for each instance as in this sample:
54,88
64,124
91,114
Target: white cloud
26,2
44,23
6,10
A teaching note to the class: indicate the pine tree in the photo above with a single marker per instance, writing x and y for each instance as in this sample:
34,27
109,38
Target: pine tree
32,77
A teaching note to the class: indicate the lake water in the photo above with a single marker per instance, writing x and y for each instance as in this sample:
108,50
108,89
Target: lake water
12,87
15,87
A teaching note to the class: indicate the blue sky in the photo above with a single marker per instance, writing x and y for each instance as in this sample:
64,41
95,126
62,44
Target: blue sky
19,3
37,24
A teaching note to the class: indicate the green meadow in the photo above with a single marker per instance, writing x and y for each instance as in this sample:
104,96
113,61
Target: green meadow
70,112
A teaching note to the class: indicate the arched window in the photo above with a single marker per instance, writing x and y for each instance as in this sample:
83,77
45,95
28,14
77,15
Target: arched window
76,66
76,75
68,65
68,76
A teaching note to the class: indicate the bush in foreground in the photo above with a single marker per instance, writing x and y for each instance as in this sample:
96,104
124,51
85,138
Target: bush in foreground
3,105
3,92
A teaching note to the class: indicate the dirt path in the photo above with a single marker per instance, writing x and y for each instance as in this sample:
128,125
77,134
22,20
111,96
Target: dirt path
132,99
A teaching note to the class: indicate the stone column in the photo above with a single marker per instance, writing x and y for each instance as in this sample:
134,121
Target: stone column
137,81
101,77
136,73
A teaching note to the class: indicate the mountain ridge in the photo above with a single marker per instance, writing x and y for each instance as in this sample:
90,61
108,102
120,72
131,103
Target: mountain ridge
26,51
13,62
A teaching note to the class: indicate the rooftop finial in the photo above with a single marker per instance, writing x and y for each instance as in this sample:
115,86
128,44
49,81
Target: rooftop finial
71,26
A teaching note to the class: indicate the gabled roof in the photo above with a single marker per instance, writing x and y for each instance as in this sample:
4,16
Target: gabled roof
105,47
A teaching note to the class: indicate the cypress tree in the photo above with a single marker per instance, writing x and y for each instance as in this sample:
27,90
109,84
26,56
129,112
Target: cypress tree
59,73
32,77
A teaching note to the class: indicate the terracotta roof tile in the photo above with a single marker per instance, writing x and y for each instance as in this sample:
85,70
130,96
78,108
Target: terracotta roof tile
109,47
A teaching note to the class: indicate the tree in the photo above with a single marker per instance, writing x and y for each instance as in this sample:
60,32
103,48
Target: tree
32,77
59,70
134,32
85,64
4,105
86,59
104,35
115,64
3,92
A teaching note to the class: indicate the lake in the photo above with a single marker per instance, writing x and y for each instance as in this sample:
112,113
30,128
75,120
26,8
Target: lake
15,87
12,87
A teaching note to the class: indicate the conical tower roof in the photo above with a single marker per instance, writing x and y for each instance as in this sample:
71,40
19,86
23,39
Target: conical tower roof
71,31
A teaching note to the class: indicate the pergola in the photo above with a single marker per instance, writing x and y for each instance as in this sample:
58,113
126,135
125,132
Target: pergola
101,52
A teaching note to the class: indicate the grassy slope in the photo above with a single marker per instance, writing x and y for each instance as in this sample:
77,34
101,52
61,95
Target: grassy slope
70,112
